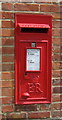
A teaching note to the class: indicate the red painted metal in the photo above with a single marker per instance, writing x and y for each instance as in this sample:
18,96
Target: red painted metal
33,86
25,25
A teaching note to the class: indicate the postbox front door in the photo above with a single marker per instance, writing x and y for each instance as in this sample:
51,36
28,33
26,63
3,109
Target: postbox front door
33,83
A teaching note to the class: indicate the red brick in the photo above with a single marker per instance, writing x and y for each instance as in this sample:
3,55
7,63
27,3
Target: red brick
56,106
56,73
7,32
56,98
50,8
1,116
56,32
0,15
28,108
7,6
0,51
61,113
56,24
56,41
61,57
7,100
45,106
1,59
0,67
61,73
0,97
7,15
6,83
8,50
0,32
7,108
25,1
7,75
7,41
41,1
16,115
56,15
7,58
39,115
61,82
60,97
7,24
61,65
55,65
56,57
56,49
7,92
57,90
0,83
7,67
36,1
60,8
56,82
55,114
26,7
60,48
61,23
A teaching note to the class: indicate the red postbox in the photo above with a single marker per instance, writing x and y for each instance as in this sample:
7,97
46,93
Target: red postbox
33,34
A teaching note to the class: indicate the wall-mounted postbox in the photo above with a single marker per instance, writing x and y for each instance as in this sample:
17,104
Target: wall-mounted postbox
33,35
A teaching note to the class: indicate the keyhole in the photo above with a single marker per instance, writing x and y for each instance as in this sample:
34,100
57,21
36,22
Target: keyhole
25,74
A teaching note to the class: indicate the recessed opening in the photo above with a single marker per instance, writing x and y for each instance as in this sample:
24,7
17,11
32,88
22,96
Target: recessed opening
34,30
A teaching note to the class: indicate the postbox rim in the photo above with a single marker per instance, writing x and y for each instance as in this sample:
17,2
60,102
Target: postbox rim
26,25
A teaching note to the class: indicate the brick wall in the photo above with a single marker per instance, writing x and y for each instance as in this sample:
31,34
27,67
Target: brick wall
8,109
